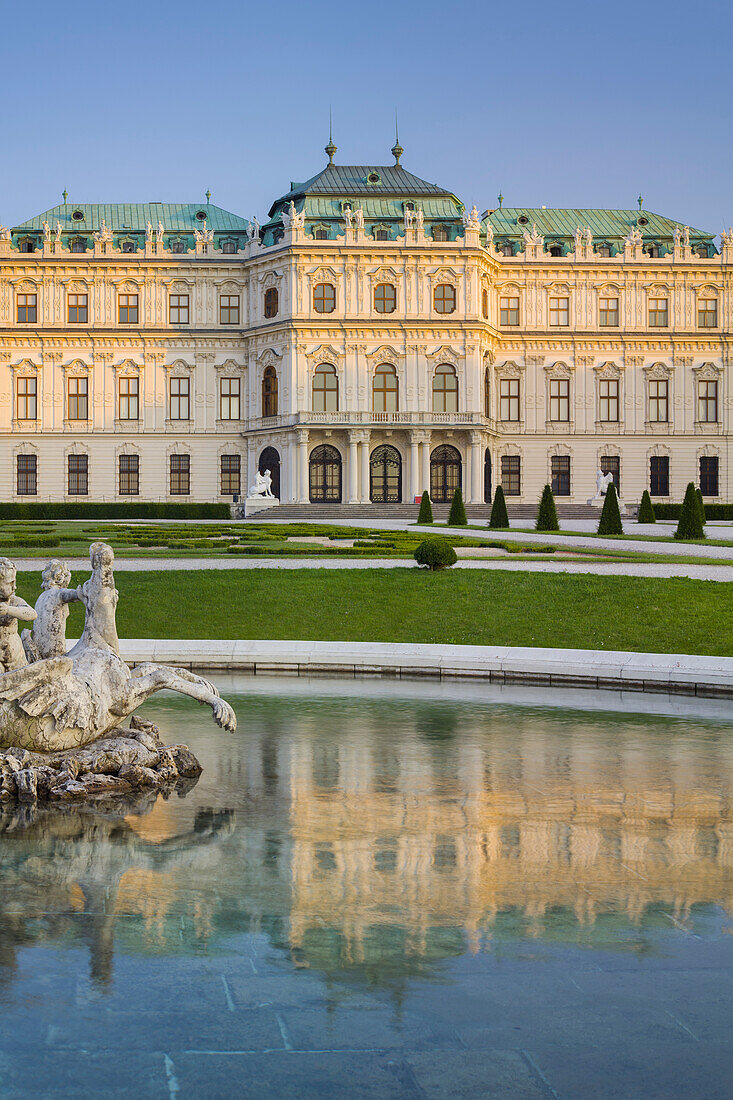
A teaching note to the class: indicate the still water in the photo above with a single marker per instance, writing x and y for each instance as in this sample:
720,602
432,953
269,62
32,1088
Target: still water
386,891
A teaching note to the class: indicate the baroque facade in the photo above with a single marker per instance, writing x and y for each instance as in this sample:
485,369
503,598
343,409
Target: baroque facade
372,339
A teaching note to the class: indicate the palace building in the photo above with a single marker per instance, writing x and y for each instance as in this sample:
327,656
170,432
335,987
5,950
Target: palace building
373,338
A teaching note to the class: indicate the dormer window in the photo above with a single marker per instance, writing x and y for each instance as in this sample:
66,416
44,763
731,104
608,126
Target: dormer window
652,250
128,246
440,233
374,178
506,249
523,219
603,250
381,234
27,244
177,246
321,234
229,247
555,250
78,244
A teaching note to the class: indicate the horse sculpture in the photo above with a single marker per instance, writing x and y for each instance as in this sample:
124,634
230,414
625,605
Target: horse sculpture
65,702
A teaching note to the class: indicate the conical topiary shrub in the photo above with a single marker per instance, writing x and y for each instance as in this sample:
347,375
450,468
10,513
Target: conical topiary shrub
701,503
425,515
457,514
646,509
547,512
689,525
499,517
610,521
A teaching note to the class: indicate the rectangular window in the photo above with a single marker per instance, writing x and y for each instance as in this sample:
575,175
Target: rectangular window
709,475
659,400
509,308
129,475
707,313
27,475
560,469
608,400
229,309
129,398
180,475
560,399
229,399
78,470
178,309
27,404
26,309
509,399
180,399
707,402
611,464
609,312
559,311
78,398
230,474
659,475
658,312
77,309
127,312
511,475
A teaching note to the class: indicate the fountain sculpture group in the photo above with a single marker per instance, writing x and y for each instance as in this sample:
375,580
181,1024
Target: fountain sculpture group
61,713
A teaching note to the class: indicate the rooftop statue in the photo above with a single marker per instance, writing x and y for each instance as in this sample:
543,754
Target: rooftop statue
64,702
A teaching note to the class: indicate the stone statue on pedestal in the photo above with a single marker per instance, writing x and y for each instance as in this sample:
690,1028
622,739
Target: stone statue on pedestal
262,486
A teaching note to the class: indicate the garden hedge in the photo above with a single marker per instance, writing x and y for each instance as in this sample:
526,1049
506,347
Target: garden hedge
457,513
499,518
89,510
435,553
547,512
712,511
425,515
646,509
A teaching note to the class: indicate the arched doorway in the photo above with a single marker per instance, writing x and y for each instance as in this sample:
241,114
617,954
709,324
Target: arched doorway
270,460
325,475
487,476
445,473
385,475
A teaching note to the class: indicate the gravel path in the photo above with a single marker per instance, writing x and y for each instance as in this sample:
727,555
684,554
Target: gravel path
610,569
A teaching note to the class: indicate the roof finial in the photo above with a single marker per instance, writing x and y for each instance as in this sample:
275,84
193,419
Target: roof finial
501,200
397,149
640,201
65,194
208,196
331,149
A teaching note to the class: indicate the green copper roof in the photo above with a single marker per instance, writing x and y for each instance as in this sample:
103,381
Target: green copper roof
133,217
605,225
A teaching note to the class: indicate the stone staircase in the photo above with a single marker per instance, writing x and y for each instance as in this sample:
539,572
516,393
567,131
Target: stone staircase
407,513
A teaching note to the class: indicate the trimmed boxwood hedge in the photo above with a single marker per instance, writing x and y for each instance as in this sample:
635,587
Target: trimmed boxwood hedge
88,510
712,511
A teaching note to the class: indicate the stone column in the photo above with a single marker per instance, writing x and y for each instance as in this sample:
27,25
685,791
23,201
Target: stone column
301,480
353,469
365,448
476,468
425,463
415,486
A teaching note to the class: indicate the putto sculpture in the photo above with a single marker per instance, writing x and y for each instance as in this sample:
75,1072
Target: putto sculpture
63,702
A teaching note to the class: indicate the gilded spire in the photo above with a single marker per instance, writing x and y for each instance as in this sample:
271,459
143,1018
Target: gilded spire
331,149
397,149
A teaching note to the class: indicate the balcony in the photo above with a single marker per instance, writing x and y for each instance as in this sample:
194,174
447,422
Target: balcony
368,419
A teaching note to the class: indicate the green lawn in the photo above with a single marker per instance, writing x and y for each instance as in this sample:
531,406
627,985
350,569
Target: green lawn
532,609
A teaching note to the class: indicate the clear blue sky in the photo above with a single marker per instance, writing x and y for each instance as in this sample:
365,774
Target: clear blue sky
567,103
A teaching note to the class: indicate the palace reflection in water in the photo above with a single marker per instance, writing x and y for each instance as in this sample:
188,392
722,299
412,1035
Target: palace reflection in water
384,836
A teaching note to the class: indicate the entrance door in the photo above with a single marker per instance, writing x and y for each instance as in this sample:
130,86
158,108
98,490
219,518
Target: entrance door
270,460
445,473
325,475
385,476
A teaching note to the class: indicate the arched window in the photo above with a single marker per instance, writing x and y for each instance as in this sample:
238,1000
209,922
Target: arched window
325,389
27,244
485,304
324,297
555,250
320,235
325,475
128,246
271,302
385,389
270,460
269,392
228,247
440,233
78,244
385,475
445,389
487,476
487,393
385,298
445,473
444,298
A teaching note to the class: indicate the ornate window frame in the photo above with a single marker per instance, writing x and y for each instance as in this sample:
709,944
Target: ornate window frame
654,372
553,372
606,370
